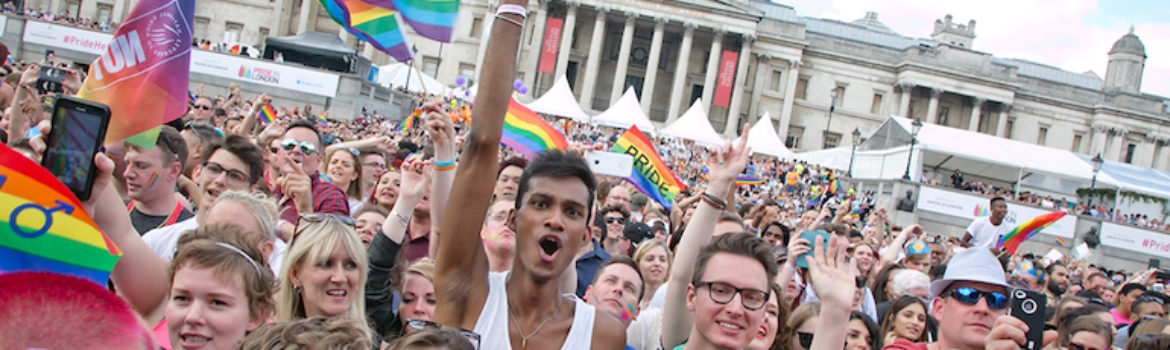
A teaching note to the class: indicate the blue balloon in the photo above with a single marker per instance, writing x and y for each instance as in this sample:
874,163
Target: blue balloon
518,84
460,80
523,90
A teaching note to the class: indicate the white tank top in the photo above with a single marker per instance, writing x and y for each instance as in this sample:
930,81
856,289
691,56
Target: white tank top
493,321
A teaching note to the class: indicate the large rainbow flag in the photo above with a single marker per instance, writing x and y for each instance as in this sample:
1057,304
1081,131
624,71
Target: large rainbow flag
1011,241
432,19
527,133
44,228
651,176
143,74
376,25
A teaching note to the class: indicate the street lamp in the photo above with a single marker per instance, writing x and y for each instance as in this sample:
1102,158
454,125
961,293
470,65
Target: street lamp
1097,163
832,107
856,140
916,127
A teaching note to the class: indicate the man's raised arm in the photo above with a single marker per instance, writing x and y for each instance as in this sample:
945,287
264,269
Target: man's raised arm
461,283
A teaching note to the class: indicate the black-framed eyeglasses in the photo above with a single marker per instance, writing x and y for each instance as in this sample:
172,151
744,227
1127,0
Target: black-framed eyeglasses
318,217
291,144
723,292
234,176
805,339
418,325
971,296
615,220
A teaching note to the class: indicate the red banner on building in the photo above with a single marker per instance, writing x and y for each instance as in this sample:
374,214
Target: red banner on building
548,51
726,78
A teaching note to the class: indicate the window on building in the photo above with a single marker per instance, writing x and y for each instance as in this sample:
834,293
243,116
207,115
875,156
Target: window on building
876,106
944,114
801,88
476,27
1042,135
774,84
839,100
104,11
1011,125
792,141
467,70
359,46
832,139
1130,149
430,66
200,29
1077,140
232,32
263,36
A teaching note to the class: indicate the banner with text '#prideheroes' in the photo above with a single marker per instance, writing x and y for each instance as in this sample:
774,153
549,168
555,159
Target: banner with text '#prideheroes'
650,174
143,74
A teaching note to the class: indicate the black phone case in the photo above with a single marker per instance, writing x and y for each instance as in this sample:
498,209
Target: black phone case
54,136
1028,306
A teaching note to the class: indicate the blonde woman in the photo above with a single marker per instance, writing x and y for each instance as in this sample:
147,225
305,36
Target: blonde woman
324,271
654,260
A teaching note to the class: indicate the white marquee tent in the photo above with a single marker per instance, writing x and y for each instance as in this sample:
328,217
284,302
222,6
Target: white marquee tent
401,74
625,112
559,101
763,139
693,125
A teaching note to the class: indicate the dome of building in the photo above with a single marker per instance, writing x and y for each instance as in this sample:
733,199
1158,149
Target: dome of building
871,22
1129,43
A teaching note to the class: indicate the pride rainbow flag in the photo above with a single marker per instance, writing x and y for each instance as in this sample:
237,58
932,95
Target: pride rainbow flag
432,19
376,25
409,121
190,98
651,176
44,228
1011,241
143,73
747,180
322,121
267,113
527,133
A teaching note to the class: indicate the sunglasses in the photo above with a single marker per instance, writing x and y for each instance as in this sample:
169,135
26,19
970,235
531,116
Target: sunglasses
971,296
619,221
418,325
206,108
316,218
291,144
805,339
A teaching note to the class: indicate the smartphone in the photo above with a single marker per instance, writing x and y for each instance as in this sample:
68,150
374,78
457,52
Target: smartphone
1028,306
610,164
79,128
811,235
50,79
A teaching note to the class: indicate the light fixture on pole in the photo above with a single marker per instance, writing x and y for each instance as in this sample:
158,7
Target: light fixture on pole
1097,163
916,126
852,152
832,107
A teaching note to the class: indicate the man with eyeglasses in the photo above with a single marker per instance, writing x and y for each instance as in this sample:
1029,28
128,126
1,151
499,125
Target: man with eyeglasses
299,188
150,178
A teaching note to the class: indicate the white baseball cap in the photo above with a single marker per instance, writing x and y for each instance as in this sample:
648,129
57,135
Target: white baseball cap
975,265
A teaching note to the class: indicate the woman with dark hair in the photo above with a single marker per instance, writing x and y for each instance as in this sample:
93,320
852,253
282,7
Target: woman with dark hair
862,333
906,319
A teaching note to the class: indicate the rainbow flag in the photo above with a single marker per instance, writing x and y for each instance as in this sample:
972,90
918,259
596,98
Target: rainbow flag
44,228
527,133
432,19
855,213
142,75
816,200
782,199
1060,241
409,121
322,121
267,113
190,98
651,176
1011,241
376,25
747,180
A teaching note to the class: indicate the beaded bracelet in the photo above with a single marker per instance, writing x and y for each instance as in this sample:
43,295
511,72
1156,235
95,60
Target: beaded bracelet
714,202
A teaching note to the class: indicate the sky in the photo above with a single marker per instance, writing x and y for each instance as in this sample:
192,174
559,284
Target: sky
1074,35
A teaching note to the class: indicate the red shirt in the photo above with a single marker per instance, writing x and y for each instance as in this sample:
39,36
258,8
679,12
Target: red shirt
903,344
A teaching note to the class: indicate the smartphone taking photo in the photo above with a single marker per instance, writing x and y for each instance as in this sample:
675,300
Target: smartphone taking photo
79,128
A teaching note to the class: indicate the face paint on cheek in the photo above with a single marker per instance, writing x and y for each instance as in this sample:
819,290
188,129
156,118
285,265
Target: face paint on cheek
153,179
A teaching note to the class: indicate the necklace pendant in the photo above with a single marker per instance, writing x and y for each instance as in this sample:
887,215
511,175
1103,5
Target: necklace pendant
523,343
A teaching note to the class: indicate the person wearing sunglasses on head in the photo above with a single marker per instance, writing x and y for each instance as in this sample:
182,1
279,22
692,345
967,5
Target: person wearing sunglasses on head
299,188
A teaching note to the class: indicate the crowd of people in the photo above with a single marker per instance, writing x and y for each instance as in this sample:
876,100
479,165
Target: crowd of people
371,234
63,18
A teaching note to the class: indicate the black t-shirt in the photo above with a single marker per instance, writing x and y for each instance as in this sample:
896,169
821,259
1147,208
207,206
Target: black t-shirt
144,223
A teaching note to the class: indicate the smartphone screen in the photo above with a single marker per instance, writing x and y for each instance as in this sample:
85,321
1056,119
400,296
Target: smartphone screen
49,79
79,128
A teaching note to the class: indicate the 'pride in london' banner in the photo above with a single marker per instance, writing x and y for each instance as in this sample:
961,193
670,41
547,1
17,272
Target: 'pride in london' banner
548,51
726,78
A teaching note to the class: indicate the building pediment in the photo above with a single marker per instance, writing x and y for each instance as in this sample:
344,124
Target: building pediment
729,8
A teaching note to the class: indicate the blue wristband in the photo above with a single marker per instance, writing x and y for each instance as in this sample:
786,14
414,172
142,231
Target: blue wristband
445,164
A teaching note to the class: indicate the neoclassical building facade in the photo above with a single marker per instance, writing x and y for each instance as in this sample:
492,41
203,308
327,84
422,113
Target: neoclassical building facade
819,79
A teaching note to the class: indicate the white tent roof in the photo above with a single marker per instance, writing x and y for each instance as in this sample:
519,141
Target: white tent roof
835,158
625,112
763,139
401,74
693,125
559,101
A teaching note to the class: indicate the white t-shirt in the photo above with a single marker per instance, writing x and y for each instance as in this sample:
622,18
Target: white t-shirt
164,241
645,332
984,234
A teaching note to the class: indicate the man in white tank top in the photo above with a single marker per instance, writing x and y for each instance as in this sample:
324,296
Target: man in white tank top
524,308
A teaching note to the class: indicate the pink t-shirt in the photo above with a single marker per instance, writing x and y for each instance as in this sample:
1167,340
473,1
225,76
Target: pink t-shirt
1118,319
161,337
903,344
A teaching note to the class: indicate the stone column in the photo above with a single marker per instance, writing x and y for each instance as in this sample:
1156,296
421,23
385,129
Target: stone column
745,51
1097,141
566,40
594,61
307,12
763,72
976,113
789,95
904,104
712,69
932,108
1001,124
118,13
651,77
533,66
619,77
680,73
1117,151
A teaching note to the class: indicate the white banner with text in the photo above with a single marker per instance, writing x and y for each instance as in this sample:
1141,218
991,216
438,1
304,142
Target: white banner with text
1135,239
969,206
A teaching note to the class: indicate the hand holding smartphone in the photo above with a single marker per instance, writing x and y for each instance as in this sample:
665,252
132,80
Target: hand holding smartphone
79,128
1028,306
811,235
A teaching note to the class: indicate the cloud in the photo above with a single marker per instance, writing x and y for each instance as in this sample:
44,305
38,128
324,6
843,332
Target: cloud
1075,35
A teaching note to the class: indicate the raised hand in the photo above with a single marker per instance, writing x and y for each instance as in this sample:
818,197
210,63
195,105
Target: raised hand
414,182
293,182
728,161
833,279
